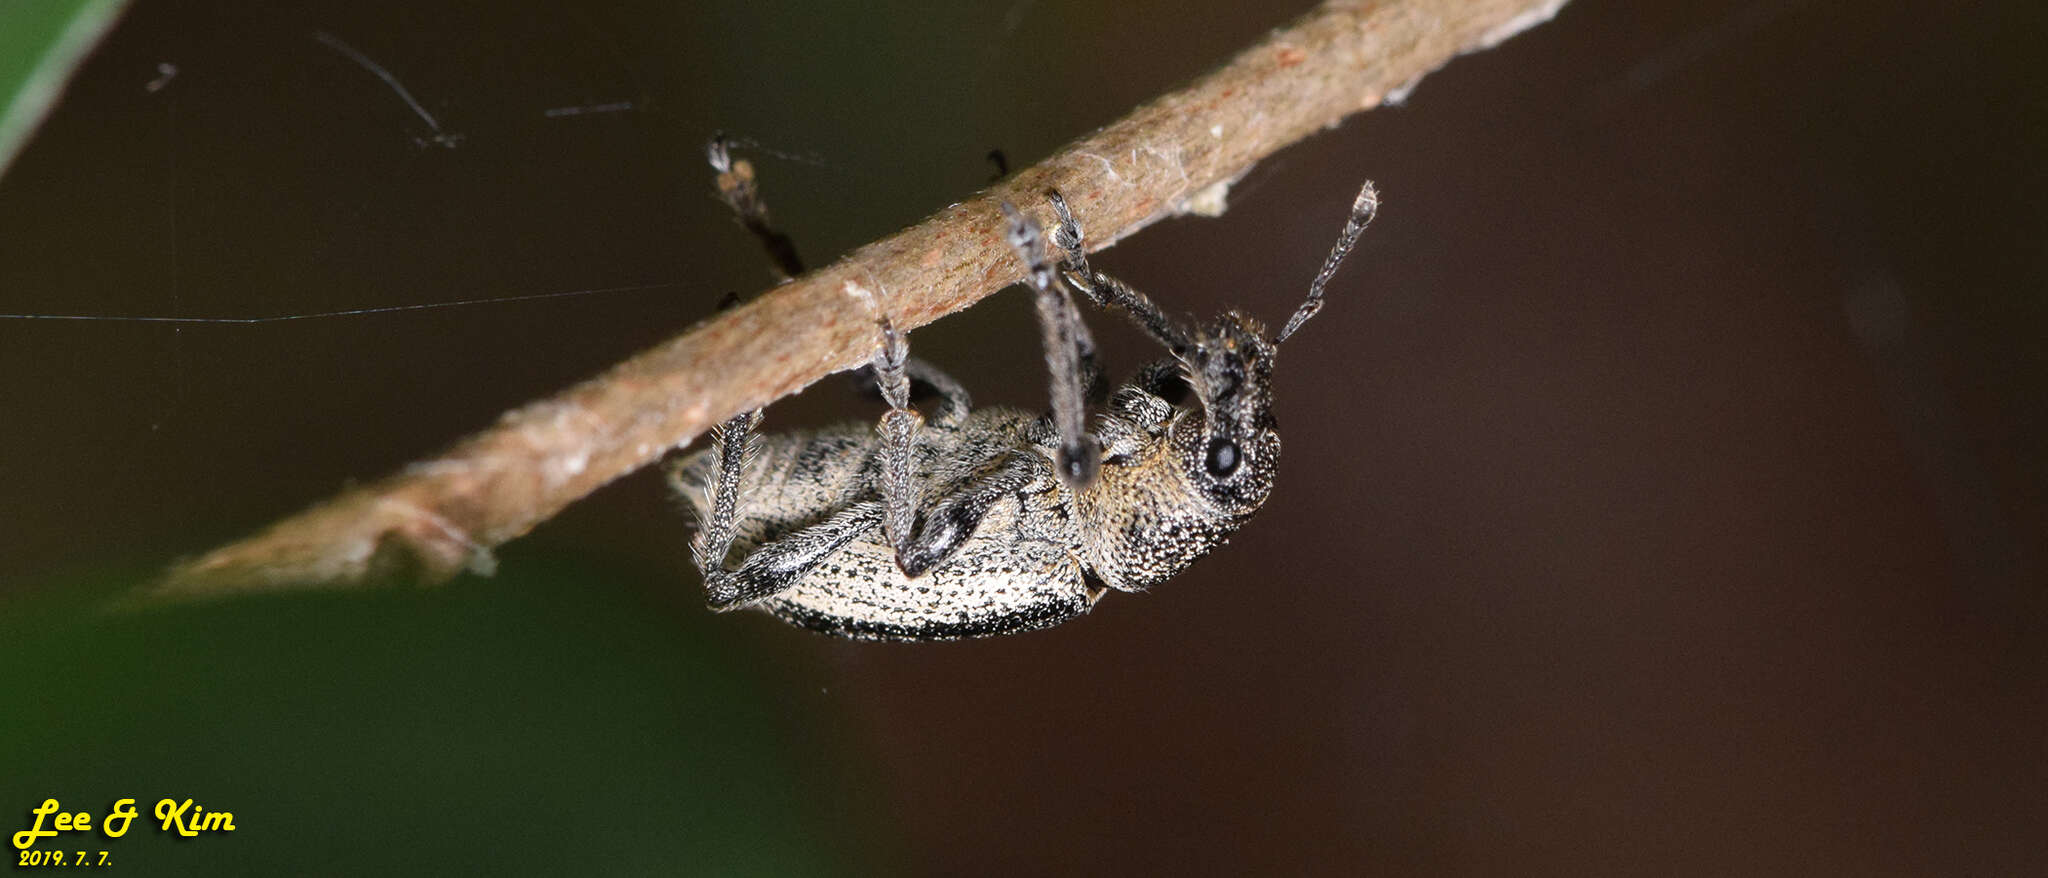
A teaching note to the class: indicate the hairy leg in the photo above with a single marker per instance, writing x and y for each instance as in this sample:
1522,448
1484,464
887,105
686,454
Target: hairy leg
779,564
732,441
1106,291
1067,347
925,537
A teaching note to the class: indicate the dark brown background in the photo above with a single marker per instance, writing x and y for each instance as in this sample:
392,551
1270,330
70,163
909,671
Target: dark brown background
1664,489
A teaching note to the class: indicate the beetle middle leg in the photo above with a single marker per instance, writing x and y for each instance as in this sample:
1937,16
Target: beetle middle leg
925,537
776,565
926,380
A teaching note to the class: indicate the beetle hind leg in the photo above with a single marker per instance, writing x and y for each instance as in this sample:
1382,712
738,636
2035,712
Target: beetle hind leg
924,534
732,444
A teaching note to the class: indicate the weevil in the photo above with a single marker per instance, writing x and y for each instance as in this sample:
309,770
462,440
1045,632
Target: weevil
979,522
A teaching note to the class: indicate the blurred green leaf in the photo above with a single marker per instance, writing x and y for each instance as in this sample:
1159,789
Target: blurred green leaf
543,722
41,42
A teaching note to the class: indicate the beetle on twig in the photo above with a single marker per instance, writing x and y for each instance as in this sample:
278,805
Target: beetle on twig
993,521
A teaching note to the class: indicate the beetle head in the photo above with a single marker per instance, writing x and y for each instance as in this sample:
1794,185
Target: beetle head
1230,452
1230,449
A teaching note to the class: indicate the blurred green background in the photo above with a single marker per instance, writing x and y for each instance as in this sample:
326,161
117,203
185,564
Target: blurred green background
1665,481
545,724
41,44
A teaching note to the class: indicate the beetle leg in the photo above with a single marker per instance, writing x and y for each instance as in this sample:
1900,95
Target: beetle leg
953,404
1105,291
926,381
779,564
898,429
946,527
739,190
924,538
731,443
1066,342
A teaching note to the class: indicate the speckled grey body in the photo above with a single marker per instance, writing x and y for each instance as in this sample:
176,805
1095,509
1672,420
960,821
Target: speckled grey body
1040,555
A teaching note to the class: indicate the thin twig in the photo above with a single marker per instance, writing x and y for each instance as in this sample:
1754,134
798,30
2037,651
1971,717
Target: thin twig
442,516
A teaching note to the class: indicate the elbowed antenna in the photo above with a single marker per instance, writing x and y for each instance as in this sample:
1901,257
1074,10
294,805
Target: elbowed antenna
1362,210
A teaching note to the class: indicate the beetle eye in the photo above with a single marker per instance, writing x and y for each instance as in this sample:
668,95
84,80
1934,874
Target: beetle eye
1222,459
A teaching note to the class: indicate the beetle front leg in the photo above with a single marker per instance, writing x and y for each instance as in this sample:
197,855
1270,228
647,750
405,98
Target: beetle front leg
1068,350
1106,291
